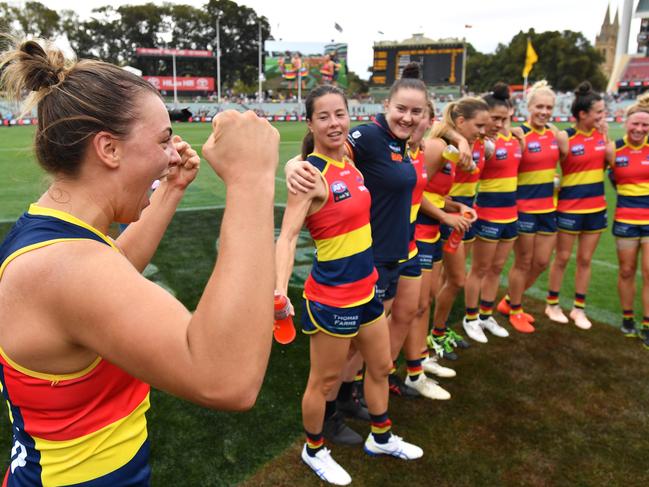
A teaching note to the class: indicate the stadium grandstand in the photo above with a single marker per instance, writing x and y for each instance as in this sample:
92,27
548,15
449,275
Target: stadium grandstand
630,75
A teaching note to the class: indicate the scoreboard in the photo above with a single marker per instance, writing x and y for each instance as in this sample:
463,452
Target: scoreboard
441,64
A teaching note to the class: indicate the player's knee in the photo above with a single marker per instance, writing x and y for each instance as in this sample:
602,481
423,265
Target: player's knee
327,384
626,273
583,261
480,270
524,263
561,259
456,281
540,265
379,369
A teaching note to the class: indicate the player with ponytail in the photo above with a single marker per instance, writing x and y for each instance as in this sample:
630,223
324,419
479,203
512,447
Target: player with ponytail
497,216
581,210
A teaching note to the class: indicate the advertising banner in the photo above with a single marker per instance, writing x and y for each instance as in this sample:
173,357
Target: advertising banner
159,52
166,83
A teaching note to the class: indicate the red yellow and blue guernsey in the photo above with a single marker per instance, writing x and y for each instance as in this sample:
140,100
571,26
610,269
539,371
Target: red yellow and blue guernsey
582,173
437,188
80,429
343,273
631,174
417,161
465,184
496,200
536,171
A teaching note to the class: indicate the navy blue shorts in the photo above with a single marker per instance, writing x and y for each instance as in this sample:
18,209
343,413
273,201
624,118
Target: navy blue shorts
582,222
445,231
630,230
410,269
339,322
541,223
386,285
429,254
496,232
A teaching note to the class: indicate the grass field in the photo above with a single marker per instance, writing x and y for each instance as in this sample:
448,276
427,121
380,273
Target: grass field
22,182
560,407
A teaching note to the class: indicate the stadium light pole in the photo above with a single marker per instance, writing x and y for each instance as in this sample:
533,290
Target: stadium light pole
218,59
173,62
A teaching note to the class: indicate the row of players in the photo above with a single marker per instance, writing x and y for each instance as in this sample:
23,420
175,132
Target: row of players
380,201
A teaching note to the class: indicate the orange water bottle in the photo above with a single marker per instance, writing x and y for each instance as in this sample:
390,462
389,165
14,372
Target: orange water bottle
283,329
455,238
453,242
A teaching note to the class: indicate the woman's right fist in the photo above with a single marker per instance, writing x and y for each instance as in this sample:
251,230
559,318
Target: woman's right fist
242,147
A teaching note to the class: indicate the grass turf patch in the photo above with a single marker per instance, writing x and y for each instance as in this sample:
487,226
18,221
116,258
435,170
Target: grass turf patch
558,407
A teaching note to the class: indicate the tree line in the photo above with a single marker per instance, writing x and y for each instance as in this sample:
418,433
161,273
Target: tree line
565,59
113,33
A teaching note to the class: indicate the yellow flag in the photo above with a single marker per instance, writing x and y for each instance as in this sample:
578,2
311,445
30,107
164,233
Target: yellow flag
530,59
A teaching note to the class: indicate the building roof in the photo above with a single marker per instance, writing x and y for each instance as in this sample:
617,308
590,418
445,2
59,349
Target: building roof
418,39
642,10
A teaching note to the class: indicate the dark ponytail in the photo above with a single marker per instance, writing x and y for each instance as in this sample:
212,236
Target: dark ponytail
308,144
584,100
499,96
410,78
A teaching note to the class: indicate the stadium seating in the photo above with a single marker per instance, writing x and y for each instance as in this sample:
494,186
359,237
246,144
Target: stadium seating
636,72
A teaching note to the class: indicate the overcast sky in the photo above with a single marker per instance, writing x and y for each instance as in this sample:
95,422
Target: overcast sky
491,21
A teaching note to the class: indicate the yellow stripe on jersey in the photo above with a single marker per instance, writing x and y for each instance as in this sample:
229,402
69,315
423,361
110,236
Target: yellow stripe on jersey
360,302
498,185
536,177
93,455
464,189
49,377
436,199
38,245
632,222
345,245
589,210
35,209
583,177
414,209
634,189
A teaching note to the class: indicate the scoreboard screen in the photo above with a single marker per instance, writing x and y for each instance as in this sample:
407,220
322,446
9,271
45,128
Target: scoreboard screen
441,65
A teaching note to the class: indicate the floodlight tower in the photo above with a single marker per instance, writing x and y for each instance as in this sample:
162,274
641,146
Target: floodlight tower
625,28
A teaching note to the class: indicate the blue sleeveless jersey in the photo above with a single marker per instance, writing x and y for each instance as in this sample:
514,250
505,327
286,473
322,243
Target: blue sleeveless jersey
86,428
383,160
